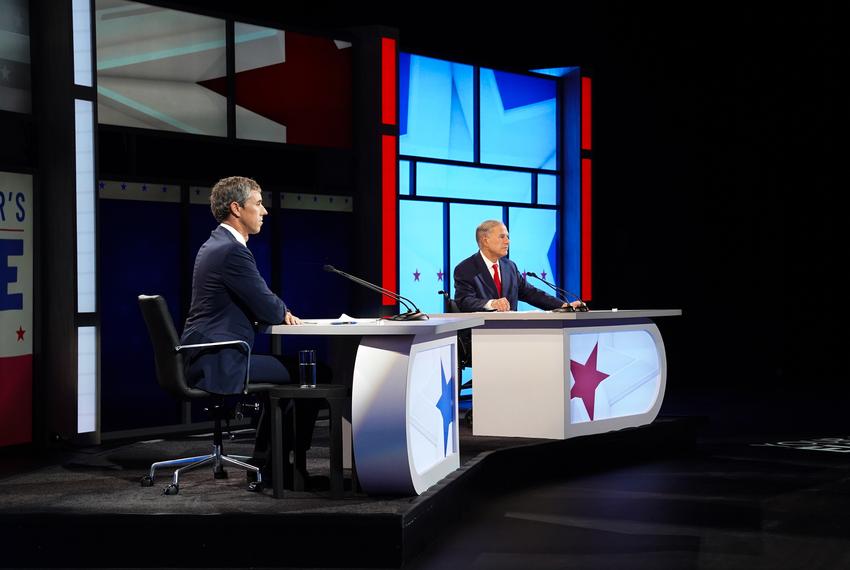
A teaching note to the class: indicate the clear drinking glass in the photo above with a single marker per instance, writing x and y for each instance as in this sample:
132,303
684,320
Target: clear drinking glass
307,368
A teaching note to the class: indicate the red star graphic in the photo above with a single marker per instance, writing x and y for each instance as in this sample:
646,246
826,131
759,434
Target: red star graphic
439,276
20,332
587,378
310,92
416,275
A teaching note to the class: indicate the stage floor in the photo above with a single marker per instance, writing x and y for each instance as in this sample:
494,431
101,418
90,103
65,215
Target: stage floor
89,507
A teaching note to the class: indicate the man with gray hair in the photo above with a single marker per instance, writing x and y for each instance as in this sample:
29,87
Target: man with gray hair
229,295
488,281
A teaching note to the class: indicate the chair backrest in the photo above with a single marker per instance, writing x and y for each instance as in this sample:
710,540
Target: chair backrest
163,335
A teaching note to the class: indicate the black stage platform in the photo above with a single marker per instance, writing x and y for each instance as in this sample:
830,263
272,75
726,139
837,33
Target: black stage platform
89,510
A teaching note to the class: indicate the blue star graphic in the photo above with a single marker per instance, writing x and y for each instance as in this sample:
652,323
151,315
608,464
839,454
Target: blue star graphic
446,405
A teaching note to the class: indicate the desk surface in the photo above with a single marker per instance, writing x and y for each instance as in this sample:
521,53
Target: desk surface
363,327
591,315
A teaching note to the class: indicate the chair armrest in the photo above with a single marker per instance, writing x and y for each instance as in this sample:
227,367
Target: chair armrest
247,346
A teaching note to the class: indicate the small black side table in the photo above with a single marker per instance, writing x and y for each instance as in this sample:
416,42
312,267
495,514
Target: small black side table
338,401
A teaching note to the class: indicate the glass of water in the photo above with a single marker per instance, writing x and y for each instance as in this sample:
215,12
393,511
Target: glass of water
307,368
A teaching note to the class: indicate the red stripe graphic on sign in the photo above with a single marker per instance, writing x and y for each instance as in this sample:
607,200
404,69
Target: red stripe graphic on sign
16,400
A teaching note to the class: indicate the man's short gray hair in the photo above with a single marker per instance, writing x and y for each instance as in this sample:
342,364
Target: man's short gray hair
484,228
228,190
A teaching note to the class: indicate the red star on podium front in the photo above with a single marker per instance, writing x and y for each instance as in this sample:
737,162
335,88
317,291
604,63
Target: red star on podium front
587,378
20,332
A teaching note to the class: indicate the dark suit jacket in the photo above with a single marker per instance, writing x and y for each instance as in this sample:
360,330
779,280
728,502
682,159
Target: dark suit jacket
228,296
474,286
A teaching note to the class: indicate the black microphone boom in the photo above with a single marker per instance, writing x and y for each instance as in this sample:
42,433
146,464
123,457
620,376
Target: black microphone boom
413,313
569,309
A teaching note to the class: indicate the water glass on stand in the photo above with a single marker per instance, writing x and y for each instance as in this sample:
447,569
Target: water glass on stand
307,368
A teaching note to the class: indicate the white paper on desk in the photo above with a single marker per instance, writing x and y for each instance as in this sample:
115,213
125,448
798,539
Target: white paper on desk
348,319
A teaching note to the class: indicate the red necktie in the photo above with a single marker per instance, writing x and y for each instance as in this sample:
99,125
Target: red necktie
497,280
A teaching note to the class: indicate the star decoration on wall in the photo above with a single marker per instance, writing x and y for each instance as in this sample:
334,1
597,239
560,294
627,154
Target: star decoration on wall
587,378
543,274
439,276
416,275
20,332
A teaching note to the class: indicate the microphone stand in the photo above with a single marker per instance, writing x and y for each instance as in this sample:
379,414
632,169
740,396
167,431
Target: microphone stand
412,314
582,308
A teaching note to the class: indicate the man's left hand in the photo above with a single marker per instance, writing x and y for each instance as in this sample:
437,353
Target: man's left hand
291,319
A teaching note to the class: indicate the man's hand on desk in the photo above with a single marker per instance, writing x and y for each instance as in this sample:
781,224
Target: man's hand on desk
574,304
500,304
291,319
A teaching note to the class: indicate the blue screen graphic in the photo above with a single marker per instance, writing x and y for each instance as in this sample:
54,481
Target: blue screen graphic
421,254
547,189
404,177
463,219
516,140
534,246
518,120
447,181
436,108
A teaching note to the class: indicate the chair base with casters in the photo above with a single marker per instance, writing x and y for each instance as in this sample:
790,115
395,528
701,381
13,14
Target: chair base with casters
285,442
217,459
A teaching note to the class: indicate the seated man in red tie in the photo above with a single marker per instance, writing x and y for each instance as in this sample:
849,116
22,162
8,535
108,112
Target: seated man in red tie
488,281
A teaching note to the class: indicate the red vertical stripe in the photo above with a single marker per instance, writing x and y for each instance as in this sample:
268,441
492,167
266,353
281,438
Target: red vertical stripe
388,81
586,249
389,222
585,113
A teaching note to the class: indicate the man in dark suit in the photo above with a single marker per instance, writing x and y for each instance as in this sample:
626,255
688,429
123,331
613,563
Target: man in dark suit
487,281
229,295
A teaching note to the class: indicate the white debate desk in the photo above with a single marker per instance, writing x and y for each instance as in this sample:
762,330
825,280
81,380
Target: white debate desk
561,375
403,398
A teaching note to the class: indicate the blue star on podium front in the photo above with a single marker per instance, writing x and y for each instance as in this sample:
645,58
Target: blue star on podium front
446,405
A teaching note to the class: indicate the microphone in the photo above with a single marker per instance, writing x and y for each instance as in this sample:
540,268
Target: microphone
412,314
582,308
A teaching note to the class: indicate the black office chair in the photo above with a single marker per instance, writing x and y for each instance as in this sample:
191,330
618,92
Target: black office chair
169,373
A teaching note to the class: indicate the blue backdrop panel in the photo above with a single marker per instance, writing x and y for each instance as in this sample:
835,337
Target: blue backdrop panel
463,219
421,254
534,247
311,239
445,181
518,120
404,177
435,108
547,189
140,253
